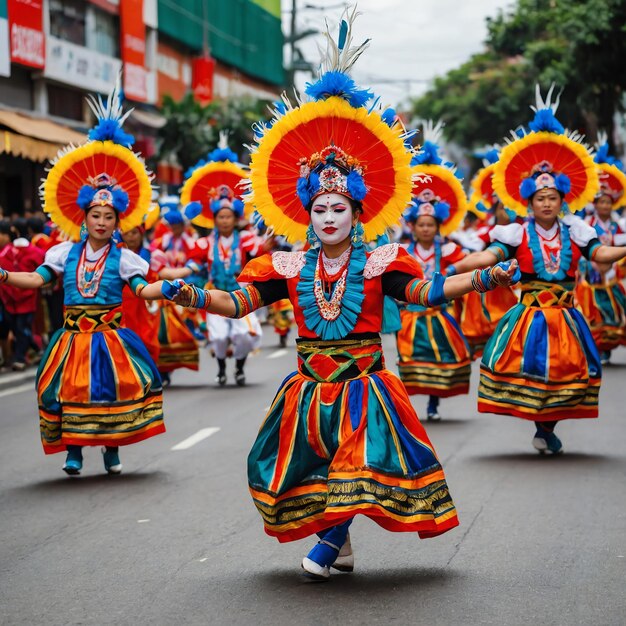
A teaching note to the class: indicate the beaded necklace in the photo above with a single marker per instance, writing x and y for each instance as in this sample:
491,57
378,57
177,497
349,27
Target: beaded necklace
89,274
331,316
565,257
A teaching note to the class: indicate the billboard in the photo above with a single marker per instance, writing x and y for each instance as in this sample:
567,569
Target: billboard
133,46
28,45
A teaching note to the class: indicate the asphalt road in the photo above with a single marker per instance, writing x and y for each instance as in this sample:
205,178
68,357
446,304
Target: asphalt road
176,540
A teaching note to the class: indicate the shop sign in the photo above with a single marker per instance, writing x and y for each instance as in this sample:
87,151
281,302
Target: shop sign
174,72
203,73
79,66
27,40
5,50
133,33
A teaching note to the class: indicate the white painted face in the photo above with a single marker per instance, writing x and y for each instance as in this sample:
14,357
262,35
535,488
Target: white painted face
331,217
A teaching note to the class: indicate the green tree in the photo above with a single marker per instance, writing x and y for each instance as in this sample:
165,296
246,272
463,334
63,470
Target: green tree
192,130
578,44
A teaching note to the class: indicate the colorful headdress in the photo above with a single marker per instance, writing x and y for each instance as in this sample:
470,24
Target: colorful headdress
171,210
103,171
435,183
610,173
206,181
481,188
337,142
545,157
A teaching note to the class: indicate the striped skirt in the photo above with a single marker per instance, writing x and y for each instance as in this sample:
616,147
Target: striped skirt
542,363
178,346
341,438
433,355
478,315
96,384
604,307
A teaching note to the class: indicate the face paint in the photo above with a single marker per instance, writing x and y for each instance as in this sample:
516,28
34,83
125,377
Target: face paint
331,217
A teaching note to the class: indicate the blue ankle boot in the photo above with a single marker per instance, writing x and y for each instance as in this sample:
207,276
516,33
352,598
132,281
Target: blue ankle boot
73,460
546,441
316,564
111,460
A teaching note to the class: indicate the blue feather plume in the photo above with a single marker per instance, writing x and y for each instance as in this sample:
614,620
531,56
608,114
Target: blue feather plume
110,130
343,34
428,155
341,85
356,186
545,121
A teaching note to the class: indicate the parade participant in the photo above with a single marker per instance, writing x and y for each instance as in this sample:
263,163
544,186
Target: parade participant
599,293
17,254
96,384
213,185
478,314
341,436
433,356
541,364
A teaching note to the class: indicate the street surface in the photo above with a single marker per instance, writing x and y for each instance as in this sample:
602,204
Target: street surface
176,539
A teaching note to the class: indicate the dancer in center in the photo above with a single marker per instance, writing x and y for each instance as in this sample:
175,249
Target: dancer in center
341,436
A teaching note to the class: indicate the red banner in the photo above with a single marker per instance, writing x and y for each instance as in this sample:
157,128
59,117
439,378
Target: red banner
28,45
133,44
202,85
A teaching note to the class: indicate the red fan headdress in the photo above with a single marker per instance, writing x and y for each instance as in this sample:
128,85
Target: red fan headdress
546,157
103,171
336,142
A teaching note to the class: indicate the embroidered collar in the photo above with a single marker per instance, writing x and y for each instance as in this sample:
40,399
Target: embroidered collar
565,257
429,270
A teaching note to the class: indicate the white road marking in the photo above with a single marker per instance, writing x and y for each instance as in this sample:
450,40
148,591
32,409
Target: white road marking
26,387
203,433
277,354
142,521
206,558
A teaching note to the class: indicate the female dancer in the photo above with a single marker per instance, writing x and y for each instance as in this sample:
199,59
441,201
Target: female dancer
433,355
542,364
96,384
341,436
600,294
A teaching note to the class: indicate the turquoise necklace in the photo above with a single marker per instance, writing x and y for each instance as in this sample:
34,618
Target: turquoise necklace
334,316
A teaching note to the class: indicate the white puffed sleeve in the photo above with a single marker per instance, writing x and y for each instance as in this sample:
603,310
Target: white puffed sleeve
509,234
580,232
132,264
56,257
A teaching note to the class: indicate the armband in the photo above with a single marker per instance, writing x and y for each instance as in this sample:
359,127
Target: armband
46,273
246,300
4,276
137,283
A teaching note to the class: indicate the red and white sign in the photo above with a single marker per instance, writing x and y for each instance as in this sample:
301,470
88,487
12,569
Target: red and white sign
203,73
133,44
174,72
28,44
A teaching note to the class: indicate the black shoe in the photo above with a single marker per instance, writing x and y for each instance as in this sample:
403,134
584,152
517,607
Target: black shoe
240,378
220,379
283,341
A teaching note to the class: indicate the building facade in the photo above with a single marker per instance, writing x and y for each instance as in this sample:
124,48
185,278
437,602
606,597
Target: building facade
54,52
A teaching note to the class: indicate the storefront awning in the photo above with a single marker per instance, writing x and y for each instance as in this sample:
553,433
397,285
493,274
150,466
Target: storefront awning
33,138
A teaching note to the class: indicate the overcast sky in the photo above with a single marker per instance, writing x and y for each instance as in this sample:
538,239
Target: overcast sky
411,39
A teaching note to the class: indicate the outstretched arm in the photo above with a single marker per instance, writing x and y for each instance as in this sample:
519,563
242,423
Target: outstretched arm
608,254
235,304
440,289
475,261
22,280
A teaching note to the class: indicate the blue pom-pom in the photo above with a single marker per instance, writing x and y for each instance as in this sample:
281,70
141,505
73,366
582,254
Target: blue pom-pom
338,84
544,120
429,154
442,211
511,214
389,116
120,199
85,196
356,186
302,189
110,130
238,207
410,213
174,216
193,209
527,188
563,183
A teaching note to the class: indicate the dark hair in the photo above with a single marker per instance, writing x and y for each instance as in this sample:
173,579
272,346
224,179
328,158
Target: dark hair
36,224
5,229
20,225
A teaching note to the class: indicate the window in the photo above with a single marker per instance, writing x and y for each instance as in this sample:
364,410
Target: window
67,20
67,103
103,33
